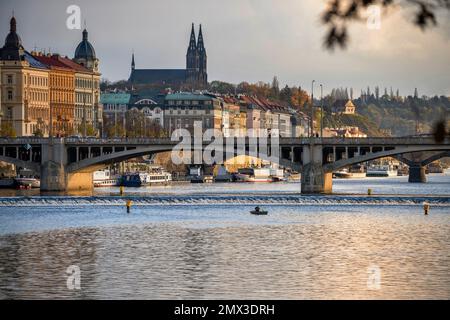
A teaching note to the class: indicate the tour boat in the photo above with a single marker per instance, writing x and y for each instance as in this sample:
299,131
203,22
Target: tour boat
103,178
254,175
29,182
343,173
26,178
356,171
142,179
386,170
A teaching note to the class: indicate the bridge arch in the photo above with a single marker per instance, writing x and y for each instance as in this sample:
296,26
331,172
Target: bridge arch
94,163
387,153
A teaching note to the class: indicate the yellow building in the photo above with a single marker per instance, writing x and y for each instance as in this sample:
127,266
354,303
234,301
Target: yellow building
87,112
62,95
87,86
24,94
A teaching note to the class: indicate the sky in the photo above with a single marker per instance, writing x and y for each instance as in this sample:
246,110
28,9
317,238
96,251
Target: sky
245,40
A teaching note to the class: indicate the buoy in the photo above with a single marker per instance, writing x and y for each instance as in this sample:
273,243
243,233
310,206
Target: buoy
128,204
426,208
121,190
369,192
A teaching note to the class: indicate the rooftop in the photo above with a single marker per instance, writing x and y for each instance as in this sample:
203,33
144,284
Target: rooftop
115,98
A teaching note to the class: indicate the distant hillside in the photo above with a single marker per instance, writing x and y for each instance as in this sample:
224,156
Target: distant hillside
353,120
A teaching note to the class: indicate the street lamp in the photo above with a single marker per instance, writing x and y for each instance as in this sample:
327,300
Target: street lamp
321,111
312,108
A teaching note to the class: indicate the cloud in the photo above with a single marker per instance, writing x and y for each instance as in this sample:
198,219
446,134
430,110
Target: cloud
246,40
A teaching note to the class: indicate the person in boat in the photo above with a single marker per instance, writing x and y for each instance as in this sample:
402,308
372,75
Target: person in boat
257,209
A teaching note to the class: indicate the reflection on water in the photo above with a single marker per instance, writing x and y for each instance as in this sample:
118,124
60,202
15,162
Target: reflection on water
224,252
199,241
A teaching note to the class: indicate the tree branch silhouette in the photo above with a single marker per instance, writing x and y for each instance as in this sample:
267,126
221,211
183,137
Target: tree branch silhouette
339,13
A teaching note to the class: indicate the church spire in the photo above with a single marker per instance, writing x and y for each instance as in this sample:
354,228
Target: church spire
192,44
13,24
200,45
132,61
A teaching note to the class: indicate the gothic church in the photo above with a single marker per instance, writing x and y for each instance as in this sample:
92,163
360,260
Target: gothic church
193,77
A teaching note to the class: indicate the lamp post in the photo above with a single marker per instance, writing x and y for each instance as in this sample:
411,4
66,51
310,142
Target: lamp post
321,111
312,109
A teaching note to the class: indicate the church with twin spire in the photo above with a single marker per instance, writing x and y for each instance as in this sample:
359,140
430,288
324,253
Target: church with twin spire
194,77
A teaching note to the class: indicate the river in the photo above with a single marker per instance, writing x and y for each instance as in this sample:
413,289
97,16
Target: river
200,242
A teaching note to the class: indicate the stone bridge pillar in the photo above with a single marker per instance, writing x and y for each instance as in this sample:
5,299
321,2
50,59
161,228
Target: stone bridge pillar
54,176
417,173
316,180
314,177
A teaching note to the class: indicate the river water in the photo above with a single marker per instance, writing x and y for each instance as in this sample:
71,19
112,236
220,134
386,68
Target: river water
200,242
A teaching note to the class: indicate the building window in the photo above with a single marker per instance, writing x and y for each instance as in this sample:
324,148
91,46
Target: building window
10,95
10,79
9,113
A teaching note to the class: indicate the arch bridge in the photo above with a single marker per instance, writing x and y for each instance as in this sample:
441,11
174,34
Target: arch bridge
68,163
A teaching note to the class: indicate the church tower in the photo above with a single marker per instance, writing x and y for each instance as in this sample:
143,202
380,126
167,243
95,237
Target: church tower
202,61
192,60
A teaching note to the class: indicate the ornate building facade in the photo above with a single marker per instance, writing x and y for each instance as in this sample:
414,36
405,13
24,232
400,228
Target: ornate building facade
195,76
24,88
47,94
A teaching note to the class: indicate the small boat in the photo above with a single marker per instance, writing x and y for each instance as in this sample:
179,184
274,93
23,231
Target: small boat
258,211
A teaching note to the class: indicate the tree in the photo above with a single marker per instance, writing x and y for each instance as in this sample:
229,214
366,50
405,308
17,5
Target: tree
339,13
7,130
275,89
90,130
377,93
299,98
286,94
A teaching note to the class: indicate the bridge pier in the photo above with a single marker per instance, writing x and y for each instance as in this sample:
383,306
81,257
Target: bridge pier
316,180
54,176
417,174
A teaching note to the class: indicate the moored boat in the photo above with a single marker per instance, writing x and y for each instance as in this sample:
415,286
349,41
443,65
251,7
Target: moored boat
253,175
142,179
103,178
386,170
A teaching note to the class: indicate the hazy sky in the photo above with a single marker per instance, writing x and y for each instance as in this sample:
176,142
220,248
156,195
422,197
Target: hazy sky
246,40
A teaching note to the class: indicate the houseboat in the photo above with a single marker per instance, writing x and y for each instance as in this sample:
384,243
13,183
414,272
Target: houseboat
384,170
253,175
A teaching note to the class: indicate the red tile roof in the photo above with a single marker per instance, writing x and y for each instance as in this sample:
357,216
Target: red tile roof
60,62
